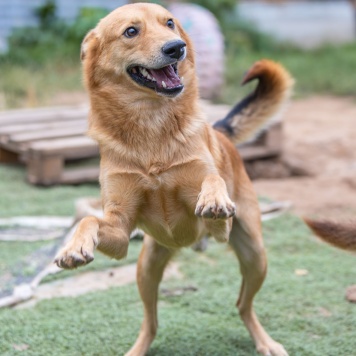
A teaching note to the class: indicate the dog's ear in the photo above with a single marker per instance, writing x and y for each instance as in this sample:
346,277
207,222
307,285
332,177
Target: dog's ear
187,40
89,54
89,41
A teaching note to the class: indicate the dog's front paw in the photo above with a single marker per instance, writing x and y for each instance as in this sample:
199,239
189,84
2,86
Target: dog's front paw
78,252
214,206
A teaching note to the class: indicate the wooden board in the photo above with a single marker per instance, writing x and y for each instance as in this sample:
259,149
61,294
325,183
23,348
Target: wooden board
42,115
45,140
7,130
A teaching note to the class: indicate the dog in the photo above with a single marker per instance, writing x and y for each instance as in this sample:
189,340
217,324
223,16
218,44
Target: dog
340,235
163,168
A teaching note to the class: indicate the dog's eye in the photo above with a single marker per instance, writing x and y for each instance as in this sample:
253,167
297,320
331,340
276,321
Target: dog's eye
170,24
131,32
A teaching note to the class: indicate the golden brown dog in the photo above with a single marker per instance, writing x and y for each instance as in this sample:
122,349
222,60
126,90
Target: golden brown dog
163,168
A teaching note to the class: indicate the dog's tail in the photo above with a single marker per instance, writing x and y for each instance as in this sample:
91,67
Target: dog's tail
341,235
261,106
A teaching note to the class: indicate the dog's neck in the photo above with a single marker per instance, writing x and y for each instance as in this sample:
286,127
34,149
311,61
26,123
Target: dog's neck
145,131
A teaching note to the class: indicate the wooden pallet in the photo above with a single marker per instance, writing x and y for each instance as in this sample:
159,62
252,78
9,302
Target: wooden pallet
47,139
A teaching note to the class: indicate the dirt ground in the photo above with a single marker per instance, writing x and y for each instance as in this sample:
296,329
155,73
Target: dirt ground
319,138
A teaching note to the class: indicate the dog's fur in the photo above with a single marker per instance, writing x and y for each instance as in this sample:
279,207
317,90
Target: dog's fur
338,234
164,169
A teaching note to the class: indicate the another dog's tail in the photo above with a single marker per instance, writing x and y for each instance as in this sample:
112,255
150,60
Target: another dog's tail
341,235
260,107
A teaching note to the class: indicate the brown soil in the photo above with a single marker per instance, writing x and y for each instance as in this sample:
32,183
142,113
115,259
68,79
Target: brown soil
319,138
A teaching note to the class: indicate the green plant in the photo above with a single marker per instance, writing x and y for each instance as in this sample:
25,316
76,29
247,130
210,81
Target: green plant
53,39
221,9
87,19
46,13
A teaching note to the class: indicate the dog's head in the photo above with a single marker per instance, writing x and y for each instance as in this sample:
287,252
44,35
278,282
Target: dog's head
141,47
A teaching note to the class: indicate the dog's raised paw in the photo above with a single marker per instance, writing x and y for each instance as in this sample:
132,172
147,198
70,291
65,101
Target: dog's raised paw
76,254
210,206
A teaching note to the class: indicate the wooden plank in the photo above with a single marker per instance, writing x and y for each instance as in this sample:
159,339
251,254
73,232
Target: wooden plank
28,127
25,139
52,172
70,148
74,147
269,144
8,156
56,144
79,175
255,152
45,170
44,109
46,115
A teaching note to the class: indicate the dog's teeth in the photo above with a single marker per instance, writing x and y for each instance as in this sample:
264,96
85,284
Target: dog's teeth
148,76
164,85
144,72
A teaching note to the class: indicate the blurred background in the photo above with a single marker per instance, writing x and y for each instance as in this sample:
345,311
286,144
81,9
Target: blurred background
39,44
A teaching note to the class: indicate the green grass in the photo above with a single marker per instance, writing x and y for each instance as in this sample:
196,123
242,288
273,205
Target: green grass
205,322
20,198
29,86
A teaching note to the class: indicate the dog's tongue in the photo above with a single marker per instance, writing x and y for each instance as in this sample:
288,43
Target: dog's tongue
166,75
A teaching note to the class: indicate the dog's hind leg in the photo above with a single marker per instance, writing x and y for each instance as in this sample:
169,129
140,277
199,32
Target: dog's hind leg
152,261
246,241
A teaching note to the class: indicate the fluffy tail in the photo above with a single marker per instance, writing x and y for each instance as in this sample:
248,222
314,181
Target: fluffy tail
261,106
341,235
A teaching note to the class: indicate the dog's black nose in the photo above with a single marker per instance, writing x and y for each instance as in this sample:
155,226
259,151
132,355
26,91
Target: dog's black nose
174,49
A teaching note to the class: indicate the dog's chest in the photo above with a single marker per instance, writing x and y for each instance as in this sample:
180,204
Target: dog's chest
167,212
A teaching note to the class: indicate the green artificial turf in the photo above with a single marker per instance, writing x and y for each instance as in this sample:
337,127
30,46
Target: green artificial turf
20,198
308,314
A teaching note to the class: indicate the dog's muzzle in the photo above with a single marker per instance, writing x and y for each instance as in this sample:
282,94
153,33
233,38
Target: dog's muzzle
164,77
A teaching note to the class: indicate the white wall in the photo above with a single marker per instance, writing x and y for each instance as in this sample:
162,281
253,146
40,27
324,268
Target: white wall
19,13
307,24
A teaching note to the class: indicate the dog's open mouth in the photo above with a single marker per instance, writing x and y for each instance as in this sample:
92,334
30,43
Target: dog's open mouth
164,80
